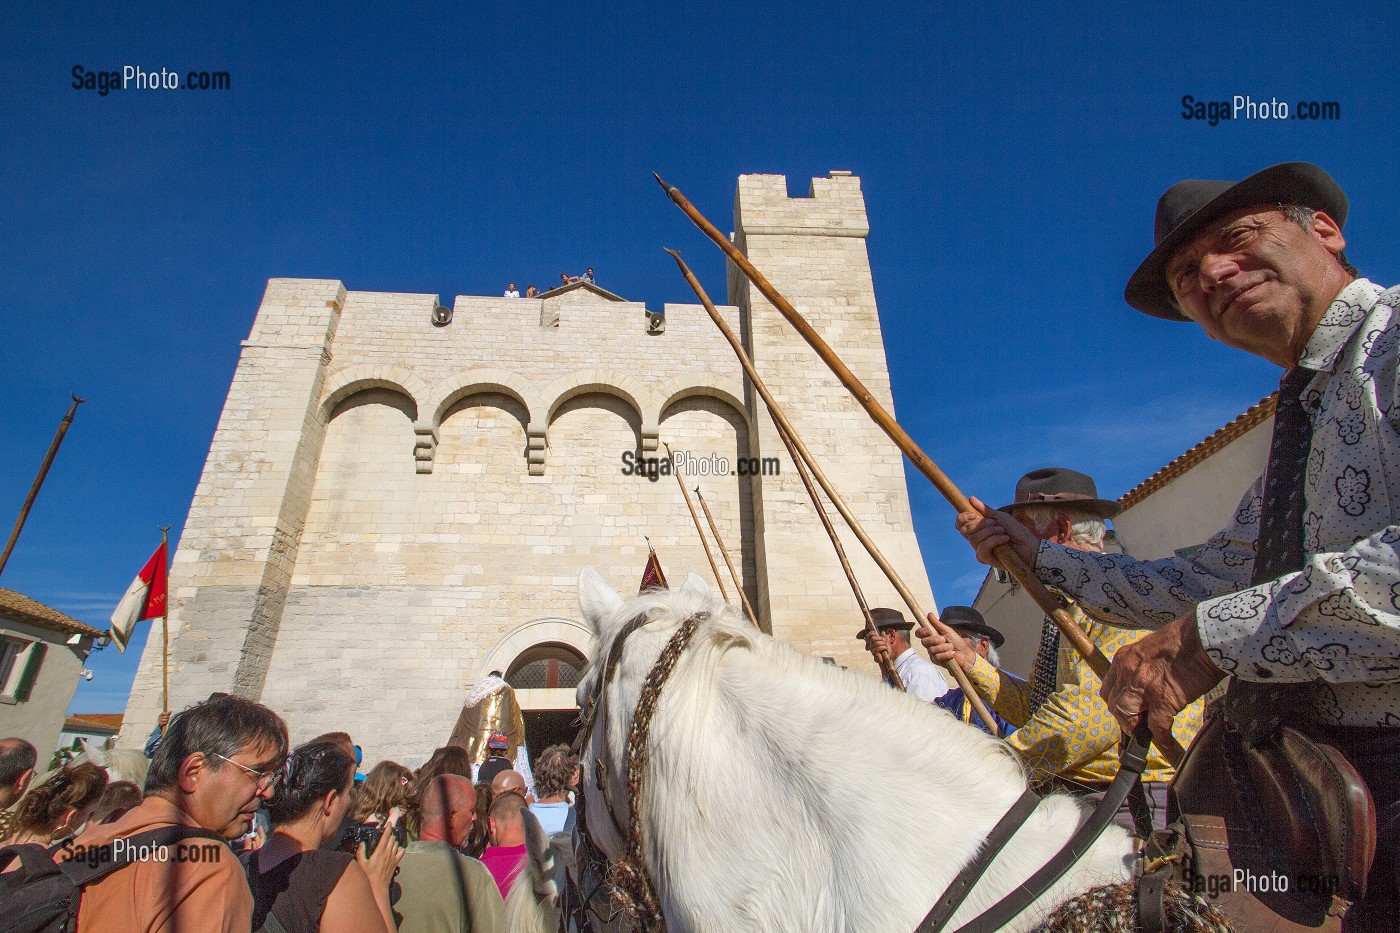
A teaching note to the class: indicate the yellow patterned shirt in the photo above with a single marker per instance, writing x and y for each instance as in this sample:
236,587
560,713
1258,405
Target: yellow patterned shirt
1073,735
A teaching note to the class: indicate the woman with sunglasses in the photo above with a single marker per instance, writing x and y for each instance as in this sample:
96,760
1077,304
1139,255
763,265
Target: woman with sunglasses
303,887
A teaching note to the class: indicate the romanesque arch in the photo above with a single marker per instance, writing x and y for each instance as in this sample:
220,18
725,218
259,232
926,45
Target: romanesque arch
354,379
677,390
450,391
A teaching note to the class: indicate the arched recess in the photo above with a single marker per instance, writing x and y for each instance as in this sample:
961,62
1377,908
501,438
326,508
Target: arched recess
625,387
525,642
475,415
450,391
355,379
677,390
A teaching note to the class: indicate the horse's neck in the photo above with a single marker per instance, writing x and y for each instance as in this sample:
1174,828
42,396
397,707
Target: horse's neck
776,783
768,727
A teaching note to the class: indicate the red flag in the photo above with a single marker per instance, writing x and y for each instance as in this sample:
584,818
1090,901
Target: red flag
652,577
144,599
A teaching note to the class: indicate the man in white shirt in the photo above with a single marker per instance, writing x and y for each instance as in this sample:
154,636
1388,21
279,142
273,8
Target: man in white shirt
922,678
511,291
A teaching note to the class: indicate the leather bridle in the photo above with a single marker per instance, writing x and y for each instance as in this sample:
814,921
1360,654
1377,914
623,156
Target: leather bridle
625,881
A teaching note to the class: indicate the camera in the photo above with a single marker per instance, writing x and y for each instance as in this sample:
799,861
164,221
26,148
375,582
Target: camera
369,833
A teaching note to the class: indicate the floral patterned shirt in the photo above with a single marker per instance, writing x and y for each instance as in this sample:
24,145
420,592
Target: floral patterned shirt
1334,625
1072,734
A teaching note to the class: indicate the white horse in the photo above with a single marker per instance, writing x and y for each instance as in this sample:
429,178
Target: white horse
782,793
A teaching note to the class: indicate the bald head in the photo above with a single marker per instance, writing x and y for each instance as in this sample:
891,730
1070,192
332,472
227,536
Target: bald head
508,782
447,809
506,824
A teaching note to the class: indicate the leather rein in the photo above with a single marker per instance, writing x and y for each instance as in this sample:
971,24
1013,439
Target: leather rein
629,886
625,881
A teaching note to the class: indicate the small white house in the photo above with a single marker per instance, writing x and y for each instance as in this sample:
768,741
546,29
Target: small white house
42,652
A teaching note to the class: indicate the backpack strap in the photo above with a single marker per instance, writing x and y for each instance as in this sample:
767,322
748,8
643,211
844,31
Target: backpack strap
83,872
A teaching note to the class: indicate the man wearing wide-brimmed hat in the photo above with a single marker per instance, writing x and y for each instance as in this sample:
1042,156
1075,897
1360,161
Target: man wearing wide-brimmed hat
984,640
922,679
1066,734
1302,590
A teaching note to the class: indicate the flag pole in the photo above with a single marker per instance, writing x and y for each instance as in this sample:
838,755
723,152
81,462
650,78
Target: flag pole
39,479
709,555
779,417
165,626
724,552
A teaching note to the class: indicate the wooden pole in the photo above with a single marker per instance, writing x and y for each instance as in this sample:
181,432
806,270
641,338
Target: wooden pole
39,480
884,660
714,568
781,419
724,552
1050,604
165,625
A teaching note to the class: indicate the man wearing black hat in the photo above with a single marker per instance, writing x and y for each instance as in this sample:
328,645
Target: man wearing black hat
984,640
922,679
1067,735
1298,600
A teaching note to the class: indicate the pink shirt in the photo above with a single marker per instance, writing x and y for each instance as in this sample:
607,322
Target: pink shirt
505,863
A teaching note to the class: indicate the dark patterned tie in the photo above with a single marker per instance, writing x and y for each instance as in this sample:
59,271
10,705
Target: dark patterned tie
1256,709
1280,548
1047,660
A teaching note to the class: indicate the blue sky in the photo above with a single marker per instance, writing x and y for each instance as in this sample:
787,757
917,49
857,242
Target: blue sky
1011,157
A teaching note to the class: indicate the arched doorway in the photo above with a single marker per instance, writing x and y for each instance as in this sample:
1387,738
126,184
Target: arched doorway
544,677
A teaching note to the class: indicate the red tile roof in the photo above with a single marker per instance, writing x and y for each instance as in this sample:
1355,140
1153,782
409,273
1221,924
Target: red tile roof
93,722
29,610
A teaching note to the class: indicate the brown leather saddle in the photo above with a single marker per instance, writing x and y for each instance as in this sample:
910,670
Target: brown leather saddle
1275,826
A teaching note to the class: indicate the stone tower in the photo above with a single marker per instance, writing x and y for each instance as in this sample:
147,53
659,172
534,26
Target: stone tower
813,251
394,504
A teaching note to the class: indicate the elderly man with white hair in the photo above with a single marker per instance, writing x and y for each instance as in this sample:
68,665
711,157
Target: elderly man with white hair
1065,732
984,640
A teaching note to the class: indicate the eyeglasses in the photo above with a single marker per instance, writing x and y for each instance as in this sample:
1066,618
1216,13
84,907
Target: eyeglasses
265,779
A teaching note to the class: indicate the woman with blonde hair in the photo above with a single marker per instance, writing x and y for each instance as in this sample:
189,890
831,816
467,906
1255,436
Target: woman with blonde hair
58,808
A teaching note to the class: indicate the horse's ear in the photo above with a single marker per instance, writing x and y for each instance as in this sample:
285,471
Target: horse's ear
596,599
695,586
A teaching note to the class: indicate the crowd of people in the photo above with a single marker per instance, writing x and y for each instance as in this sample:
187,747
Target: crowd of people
564,279
251,835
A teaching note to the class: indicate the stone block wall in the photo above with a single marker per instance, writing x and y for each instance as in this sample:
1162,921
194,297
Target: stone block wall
392,508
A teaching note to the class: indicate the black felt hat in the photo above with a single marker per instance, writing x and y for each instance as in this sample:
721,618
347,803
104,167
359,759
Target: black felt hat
1187,206
1058,486
966,619
887,618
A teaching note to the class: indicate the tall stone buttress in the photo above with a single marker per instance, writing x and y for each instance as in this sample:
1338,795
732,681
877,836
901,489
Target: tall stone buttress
813,251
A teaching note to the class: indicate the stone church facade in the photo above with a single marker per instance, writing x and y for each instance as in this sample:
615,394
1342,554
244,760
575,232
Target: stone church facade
394,505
